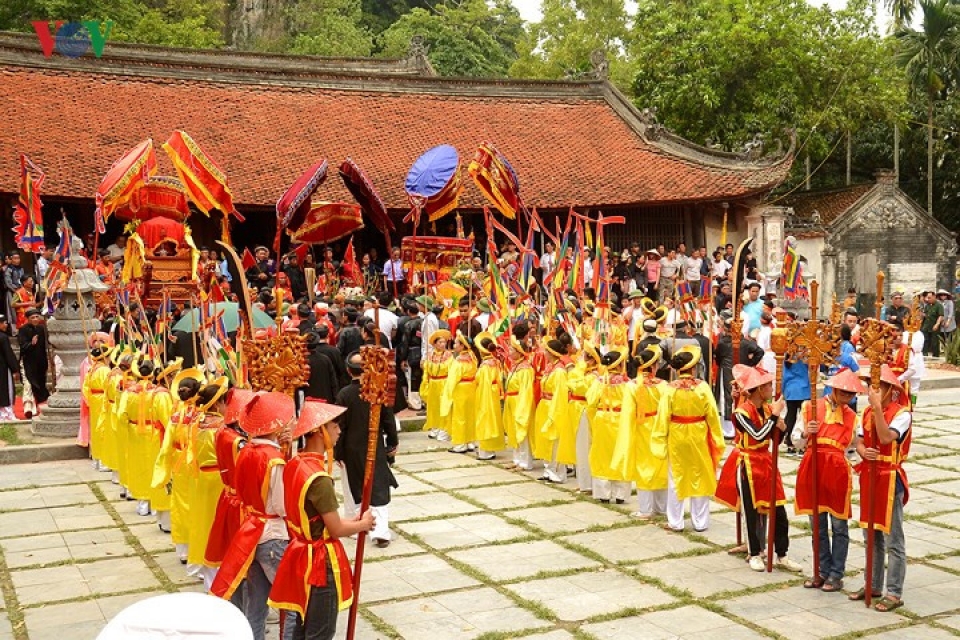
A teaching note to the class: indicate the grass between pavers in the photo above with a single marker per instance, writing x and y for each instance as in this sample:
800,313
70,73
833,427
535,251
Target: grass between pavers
10,435
165,582
43,507
14,609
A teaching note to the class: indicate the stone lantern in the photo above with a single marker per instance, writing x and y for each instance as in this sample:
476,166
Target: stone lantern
74,319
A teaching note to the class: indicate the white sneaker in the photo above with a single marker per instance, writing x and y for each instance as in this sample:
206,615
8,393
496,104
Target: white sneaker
757,563
786,564
432,434
442,436
143,508
460,448
550,476
486,456
471,447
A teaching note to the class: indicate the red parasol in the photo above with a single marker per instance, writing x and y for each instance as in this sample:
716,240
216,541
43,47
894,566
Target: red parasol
366,195
157,230
124,178
159,197
205,183
327,222
294,204
496,179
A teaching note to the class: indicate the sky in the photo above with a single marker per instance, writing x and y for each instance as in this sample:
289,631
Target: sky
530,9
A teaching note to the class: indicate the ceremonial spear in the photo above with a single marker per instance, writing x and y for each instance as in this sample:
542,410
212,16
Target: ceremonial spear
877,339
780,341
373,389
736,327
817,340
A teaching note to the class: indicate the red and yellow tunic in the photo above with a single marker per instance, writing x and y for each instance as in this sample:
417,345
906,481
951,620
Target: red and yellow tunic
94,384
838,425
173,467
634,457
304,563
605,402
458,397
754,457
229,512
889,466
208,486
254,467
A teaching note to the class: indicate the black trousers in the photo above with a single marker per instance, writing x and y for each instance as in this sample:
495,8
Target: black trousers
322,609
793,410
756,524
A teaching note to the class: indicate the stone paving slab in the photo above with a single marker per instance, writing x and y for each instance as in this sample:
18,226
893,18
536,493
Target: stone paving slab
431,505
460,615
409,485
920,631
513,496
634,544
684,622
412,576
433,460
6,632
474,476
594,593
522,559
464,531
569,518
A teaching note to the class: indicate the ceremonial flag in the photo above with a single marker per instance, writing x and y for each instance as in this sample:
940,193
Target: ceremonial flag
575,277
351,270
530,260
204,182
790,277
302,251
28,216
248,261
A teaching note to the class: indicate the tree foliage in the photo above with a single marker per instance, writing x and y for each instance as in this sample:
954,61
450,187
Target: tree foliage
466,38
329,28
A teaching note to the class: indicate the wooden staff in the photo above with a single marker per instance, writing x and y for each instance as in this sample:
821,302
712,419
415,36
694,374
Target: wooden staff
736,328
875,339
373,383
819,344
779,343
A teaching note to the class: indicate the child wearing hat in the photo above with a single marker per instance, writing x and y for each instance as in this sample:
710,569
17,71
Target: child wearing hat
314,579
834,424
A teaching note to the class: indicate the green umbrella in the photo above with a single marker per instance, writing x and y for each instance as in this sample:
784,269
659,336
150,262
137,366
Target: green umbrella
190,320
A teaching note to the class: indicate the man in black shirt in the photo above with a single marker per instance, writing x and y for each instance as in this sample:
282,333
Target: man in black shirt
336,358
350,338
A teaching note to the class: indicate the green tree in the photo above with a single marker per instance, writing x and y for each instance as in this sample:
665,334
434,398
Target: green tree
560,45
929,58
466,38
329,28
378,15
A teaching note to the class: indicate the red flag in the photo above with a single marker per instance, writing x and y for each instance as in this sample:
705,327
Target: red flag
351,270
28,229
302,251
216,293
248,261
204,182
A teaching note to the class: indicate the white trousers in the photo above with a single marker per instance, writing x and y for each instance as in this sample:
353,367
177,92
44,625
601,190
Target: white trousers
522,456
611,489
652,502
557,469
584,477
699,508
728,429
381,530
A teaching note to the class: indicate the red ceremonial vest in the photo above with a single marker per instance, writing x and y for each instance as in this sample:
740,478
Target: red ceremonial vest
229,514
889,465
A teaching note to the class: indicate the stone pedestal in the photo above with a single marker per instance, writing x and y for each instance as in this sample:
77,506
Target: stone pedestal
74,319
765,226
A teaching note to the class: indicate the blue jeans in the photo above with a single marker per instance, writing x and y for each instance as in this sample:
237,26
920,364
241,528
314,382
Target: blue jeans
322,610
892,547
833,557
259,581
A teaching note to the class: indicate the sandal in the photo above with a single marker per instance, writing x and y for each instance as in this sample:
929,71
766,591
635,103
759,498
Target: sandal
814,583
738,550
832,585
861,594
888,603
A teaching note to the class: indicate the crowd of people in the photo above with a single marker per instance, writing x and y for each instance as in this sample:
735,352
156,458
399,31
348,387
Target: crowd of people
635,395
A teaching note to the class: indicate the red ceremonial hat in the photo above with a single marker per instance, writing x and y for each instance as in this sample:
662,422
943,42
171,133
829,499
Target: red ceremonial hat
266,413
314,414
235,404
887,375
846,380
749,378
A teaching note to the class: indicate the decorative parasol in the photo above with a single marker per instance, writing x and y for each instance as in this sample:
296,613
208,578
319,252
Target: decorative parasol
357,182
496,179
228,311
160,196
294,204
434,184
327,222
205,183
157,230
126,175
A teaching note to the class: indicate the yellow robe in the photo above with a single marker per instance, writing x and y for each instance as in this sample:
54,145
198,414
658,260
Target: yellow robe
518,404
606,398
553,418
435,372
634,455
175,465
112,445
578,383
208,486
489,421
161,409
457,402
688,435
140,454
93,391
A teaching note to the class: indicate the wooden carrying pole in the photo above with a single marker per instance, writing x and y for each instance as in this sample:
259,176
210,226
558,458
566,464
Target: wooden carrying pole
876,351
736,329
779,343
373,385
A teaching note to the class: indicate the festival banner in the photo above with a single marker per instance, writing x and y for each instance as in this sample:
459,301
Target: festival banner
28,215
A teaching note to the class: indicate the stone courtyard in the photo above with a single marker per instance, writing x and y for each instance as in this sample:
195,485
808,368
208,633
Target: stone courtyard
482,552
